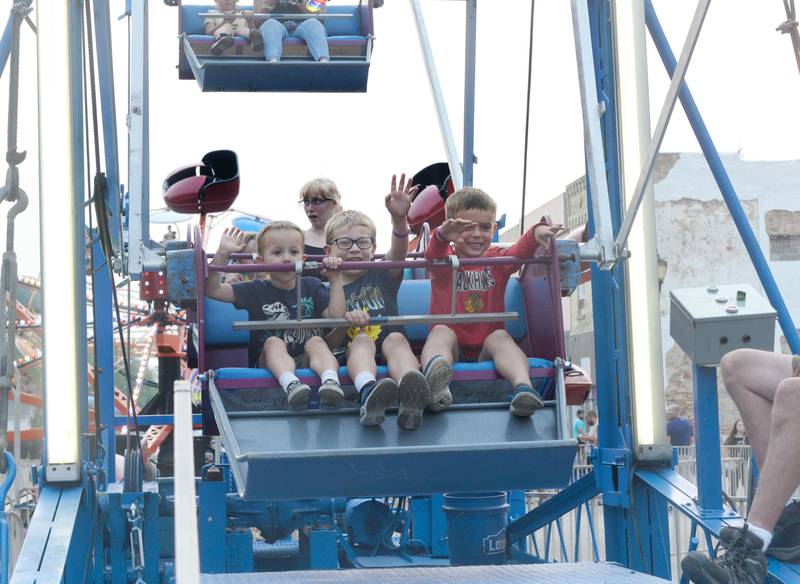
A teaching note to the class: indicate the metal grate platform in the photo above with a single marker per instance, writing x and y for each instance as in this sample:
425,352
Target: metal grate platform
315,453
596,573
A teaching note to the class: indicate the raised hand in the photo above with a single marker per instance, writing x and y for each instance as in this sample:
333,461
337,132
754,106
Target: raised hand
453,229
357,318
233,241
543,233
398,201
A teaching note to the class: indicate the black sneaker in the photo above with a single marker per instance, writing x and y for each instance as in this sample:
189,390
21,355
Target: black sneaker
330,395
785,544
742,561
297,395
256,40
376,398
414,396
525,401
222,44
439,372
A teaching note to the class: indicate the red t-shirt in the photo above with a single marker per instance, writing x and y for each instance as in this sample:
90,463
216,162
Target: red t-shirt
479,288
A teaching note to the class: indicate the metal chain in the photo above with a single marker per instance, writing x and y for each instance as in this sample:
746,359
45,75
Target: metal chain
12,193
790,27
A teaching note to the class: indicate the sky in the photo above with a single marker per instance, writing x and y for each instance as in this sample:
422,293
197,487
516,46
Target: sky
743,76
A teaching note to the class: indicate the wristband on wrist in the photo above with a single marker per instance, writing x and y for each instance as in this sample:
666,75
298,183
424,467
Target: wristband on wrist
441,236
400,235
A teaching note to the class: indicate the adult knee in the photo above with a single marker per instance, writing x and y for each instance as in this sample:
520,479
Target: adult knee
272,26
733,364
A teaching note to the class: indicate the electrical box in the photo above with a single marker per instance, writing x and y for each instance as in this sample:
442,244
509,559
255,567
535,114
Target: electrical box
711,321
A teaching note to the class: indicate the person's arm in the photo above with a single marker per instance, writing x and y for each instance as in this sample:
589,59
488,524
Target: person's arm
442,236
335,307
398,202
232,241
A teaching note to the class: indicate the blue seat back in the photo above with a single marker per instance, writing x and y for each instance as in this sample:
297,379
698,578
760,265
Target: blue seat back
192,23
414,298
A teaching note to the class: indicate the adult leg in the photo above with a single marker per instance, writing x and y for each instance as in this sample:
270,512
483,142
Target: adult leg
312,31
751,378
273,32
324,364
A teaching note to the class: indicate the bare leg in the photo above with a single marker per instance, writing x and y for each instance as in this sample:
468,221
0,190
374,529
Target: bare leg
509,360
442,341
361,356
275,356
780,474
399,356
751,378
319,356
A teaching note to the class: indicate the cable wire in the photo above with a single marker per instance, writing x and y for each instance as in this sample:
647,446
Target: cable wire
527,126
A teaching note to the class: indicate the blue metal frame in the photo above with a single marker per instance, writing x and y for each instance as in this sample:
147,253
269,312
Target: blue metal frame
5,557
5,45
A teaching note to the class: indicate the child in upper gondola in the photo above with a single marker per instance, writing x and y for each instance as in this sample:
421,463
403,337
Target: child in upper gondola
350,236
467,233
232,21
282,351
310,30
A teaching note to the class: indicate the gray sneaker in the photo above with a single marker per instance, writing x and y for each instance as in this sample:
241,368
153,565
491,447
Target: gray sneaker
414,396
439,372
297,395
330,395
742,561
525,401
785,544
376,398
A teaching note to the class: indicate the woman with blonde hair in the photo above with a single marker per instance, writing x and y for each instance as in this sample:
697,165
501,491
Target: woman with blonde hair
320,200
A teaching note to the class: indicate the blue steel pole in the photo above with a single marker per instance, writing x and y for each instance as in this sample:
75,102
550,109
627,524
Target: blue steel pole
469,91
724,184
5,45
104,342
706,411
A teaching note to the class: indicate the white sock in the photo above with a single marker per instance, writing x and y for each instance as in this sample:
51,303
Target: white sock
329,375
286,379
762,533
362,379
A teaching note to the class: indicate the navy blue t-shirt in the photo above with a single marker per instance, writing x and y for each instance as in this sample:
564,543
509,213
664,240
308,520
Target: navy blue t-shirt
680,432
376,293
263,301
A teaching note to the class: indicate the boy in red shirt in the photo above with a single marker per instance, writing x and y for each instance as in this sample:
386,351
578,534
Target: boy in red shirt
467,233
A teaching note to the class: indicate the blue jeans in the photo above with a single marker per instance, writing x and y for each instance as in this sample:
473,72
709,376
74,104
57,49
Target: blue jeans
312,31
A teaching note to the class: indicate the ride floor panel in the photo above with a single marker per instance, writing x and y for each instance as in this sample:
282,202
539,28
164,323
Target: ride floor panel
316,453
596,573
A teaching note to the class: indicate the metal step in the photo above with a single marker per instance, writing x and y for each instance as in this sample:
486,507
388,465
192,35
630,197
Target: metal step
315,453
596,573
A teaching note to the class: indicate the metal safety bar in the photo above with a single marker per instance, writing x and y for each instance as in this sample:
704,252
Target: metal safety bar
257,325
323,16
385,265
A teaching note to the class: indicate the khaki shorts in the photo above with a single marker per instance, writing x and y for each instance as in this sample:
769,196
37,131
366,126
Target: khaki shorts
796,366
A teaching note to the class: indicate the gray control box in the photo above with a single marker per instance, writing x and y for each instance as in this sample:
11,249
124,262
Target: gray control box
711,321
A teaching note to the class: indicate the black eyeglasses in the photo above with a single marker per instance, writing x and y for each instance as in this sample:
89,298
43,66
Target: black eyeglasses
347,242
313,202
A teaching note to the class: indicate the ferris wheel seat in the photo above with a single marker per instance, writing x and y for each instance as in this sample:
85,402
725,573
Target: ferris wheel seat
210,186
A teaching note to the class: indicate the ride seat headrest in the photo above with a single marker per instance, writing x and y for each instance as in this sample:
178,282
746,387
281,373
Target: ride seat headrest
207,187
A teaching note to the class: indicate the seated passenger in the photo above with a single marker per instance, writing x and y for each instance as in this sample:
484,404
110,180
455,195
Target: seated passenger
350,236
311,30
232,22
281,351
467,233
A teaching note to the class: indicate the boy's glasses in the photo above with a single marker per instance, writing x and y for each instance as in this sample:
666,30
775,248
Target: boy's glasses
347,242
314,202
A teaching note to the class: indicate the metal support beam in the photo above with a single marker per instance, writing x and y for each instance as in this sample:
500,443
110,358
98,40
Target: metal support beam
724,183
706,411
601,247
469,90
256,325
187,555
663,122
456,173
5,45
